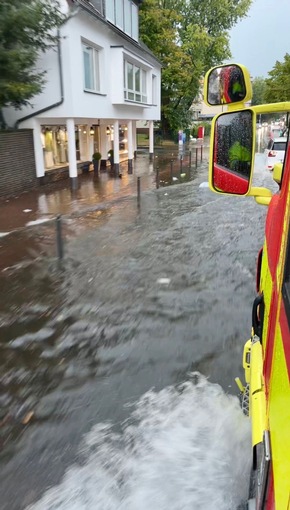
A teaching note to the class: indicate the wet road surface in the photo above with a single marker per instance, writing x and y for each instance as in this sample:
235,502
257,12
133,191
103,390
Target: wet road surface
47,201
143,298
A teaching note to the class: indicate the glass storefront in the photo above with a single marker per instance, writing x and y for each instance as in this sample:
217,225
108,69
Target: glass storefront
55,144
123,141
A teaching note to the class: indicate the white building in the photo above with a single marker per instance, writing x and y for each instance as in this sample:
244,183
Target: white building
201,111
100,81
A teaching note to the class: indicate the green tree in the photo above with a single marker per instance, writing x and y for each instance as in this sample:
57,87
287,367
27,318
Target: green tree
189,37
278,83
27,27
259,88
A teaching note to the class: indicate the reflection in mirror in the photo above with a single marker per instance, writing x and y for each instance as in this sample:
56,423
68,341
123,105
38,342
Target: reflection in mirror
233,150
226,85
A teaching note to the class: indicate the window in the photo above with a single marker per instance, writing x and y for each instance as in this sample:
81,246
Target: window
154,89
110,10
123,14
135,83
286,282
128,18
99,5
134,21
119,14
279,146
91,68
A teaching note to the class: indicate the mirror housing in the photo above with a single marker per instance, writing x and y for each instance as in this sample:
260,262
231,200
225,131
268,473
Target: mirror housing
277,172
226,85
232,156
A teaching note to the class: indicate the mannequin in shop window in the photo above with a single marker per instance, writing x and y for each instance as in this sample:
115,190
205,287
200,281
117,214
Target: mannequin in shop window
61,145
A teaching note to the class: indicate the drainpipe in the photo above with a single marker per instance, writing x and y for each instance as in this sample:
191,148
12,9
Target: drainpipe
58,103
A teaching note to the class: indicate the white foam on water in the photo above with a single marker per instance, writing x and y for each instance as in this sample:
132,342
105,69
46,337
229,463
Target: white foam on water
37,222
204,185
185,448
164,281
4,234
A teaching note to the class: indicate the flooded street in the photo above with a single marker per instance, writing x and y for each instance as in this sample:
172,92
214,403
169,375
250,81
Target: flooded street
143,299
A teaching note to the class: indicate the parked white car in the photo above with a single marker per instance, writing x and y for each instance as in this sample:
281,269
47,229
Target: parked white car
275,152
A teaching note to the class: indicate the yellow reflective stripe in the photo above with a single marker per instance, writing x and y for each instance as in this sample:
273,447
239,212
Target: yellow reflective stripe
279,419
281,261
266,287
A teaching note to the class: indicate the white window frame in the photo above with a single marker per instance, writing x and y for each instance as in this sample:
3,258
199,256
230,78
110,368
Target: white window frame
119,14
154,89
110,10
130,12
128,18
133,94
134,22
95,62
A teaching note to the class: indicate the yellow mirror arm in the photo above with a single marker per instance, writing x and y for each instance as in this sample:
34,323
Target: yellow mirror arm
263,200
262,195
259,192
271,107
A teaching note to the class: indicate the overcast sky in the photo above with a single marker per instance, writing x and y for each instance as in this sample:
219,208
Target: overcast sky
262,38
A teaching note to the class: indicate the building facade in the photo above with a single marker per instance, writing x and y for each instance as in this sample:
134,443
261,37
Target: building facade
99,82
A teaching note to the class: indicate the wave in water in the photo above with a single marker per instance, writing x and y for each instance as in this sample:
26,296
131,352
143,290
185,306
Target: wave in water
184,448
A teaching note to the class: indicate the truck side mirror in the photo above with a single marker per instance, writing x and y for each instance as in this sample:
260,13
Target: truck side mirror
277,172
227,84
233,152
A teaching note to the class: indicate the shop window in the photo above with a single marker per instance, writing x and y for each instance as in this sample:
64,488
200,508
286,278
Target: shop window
135,83
54,143
91,68
123,140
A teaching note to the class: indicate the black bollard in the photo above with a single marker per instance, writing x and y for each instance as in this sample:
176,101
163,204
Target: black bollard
181,162
196,151
201,148
157,177
189,166
138,191
59,240
171,171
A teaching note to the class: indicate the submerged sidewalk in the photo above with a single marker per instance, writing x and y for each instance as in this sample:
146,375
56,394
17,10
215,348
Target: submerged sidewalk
50,200
28,228
58,198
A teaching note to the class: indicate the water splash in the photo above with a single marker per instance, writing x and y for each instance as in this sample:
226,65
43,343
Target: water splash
182,448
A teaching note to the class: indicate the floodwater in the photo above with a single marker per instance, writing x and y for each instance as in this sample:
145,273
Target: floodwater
100,356
44,203
182,448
